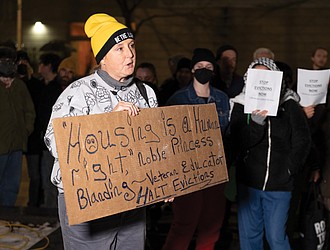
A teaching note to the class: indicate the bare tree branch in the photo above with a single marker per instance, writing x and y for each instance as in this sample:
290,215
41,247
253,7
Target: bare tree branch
127,8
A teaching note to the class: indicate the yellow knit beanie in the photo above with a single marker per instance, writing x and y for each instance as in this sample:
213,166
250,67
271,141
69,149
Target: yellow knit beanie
105,31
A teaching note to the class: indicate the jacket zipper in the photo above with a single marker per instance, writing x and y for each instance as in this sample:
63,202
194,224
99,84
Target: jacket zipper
268,156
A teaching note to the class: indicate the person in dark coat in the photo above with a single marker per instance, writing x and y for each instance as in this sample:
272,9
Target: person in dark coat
270,151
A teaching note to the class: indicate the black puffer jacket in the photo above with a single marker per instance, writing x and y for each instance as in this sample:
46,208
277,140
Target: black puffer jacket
268,156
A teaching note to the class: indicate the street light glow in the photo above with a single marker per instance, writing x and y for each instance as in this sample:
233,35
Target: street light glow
39,28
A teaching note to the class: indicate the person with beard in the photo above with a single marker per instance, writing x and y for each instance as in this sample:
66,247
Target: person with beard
199,212
226,78
270,151
17,117
66,72
319,58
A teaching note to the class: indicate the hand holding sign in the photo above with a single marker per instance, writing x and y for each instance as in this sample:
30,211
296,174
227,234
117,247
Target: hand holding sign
312,86
263,91
115,162
259,116
309,111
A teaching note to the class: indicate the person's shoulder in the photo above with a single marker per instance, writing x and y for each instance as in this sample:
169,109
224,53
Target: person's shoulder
19,84
292,106
18,81
237,77
182,91
219,92
89,81
178,97
169,83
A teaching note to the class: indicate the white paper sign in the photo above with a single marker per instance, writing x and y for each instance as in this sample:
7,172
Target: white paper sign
312,86
263,89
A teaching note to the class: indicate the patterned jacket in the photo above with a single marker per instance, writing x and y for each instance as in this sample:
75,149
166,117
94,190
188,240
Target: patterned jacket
86,96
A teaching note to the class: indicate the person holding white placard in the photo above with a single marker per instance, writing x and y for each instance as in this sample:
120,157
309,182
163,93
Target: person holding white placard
270,151
316,115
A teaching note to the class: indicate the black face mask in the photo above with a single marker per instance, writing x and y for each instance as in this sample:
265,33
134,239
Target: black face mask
203,75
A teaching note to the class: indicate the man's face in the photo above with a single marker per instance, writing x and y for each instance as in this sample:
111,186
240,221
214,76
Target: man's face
44,70
66,76
319,59
119,62
227,61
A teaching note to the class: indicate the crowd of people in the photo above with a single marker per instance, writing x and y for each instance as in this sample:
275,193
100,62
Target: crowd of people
274,157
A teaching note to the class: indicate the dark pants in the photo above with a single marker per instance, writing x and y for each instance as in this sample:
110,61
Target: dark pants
201,212
10,177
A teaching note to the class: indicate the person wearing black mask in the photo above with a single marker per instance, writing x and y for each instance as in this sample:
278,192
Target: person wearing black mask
200,211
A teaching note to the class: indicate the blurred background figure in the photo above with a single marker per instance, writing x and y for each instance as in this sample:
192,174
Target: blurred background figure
182,78
263,52
173,64
287,73
17,120
319,58
67,71
146,72
60,73
226,78
35,142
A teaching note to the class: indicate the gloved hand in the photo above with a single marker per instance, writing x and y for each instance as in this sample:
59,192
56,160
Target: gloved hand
259,116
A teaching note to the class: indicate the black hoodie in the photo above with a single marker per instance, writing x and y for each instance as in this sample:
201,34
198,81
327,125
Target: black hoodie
268,156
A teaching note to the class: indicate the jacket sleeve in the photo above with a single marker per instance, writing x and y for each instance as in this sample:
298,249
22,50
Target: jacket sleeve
70,103
300,139
29,110
244,132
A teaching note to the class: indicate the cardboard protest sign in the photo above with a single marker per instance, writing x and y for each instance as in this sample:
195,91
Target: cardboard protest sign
312,86
262,92
114,162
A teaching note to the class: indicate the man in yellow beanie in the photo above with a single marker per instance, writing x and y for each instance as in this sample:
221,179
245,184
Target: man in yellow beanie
67,71
110,88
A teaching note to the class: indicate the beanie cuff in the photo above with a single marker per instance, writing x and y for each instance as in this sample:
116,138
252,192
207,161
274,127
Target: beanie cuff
117,37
